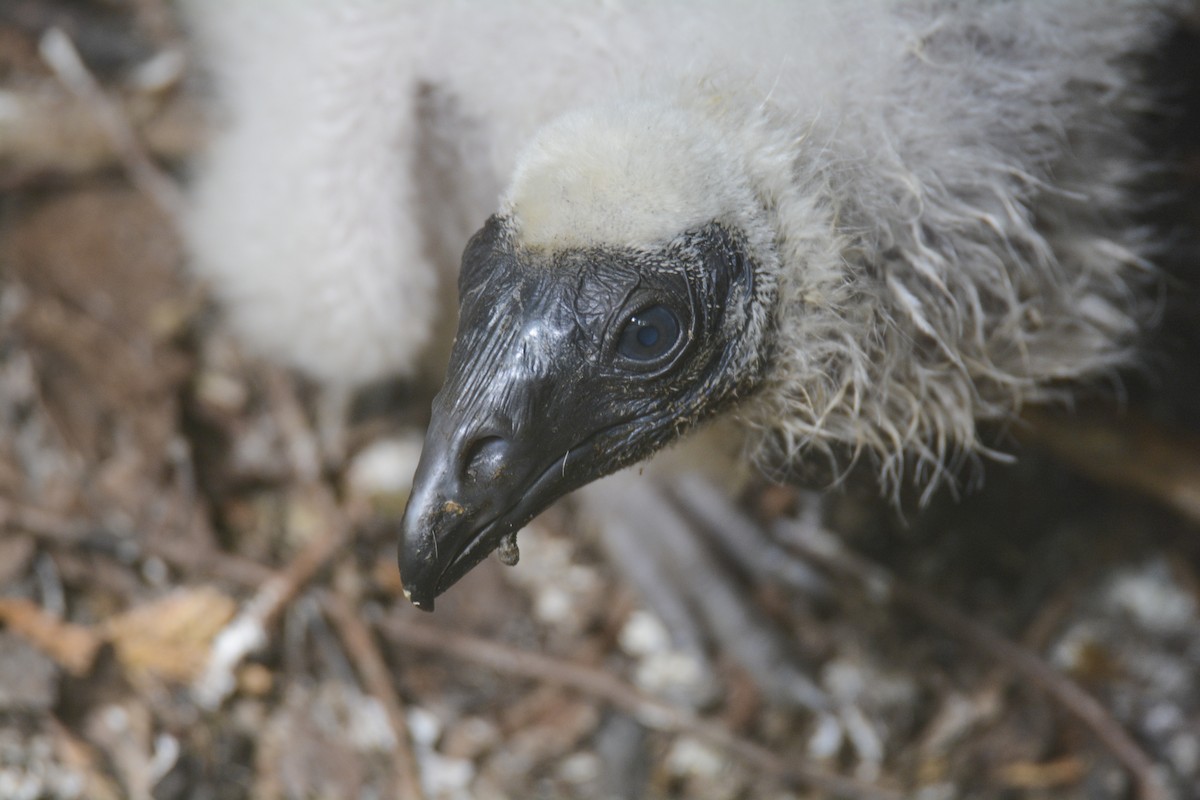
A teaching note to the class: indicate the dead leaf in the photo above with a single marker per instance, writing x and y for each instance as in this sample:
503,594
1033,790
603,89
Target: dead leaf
170,638
72,646
1044,775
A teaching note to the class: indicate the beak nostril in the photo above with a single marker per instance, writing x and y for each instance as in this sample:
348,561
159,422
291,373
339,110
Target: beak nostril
483,459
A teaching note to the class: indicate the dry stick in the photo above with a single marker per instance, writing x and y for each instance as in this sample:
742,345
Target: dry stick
650,711
186,554
194,552
300,441
279,588
821,547
60,54
303,453
1123,450
40,522
248,631
373,671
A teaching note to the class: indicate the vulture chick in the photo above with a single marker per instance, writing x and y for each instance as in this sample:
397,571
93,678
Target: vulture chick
853,227
923,227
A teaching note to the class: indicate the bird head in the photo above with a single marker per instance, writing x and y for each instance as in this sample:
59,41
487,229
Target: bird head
619,298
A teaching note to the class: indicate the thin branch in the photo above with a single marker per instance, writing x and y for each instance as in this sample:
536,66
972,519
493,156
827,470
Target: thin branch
190,553
248,631
373,671
822,548
1128,451
651,711
41,523
60,54
301,444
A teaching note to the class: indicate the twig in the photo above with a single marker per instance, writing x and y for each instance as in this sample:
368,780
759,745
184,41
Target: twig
56,133
189,553
822,548
300,441
649,710
373,671
248,631
40,522
985,699
198,557
63,58
1128,452
82,758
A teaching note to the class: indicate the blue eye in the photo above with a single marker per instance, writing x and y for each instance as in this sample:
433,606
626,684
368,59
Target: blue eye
649,334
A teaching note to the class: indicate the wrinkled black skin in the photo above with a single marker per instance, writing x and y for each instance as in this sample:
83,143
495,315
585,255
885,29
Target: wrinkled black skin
539,401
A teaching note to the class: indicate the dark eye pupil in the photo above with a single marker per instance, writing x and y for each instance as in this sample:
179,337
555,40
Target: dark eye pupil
649,334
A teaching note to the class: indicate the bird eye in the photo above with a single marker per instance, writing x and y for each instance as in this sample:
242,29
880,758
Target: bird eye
649,334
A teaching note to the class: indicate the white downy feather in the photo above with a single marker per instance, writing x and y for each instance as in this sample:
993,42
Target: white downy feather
939,190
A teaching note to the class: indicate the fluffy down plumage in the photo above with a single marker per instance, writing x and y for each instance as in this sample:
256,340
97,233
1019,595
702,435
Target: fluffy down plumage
936,197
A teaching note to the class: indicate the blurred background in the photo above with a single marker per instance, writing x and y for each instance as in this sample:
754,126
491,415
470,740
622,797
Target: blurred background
192,605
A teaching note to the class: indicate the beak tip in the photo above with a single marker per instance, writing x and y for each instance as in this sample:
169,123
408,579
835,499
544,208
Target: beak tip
418,571
419,599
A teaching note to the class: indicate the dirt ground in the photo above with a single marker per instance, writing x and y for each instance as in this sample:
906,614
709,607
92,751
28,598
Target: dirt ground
193,604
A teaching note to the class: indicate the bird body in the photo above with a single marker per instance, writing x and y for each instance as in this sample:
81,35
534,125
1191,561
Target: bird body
864,225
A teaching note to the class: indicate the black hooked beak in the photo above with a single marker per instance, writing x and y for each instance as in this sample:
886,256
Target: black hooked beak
461,506
476,485
489,464
491,461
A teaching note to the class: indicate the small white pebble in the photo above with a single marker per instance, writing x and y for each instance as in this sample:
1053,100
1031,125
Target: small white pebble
442,776
643,634
690,758
844,680
826,738
1152,599
674,674
1163,717
423,726
221,391
1184,753
552,605
385,467
116,719
580,768
166,754
369,728
154,570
